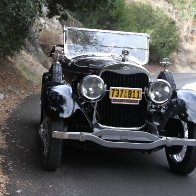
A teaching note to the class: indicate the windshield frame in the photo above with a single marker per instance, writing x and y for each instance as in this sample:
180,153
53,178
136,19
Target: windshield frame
145,36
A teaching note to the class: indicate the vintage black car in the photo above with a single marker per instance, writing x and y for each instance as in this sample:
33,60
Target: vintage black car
98,91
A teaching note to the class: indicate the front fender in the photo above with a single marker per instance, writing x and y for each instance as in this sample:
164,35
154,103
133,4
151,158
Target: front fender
57,100
182,105
189,99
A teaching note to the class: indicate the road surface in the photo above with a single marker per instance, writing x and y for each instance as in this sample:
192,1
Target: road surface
95,172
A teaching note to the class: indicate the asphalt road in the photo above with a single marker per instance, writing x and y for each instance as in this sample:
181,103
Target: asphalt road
95,172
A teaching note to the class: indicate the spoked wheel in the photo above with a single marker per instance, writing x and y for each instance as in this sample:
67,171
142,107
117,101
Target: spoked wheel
182,159
51,148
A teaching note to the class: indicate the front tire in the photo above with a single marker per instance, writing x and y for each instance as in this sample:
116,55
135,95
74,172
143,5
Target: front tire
184,161
51,148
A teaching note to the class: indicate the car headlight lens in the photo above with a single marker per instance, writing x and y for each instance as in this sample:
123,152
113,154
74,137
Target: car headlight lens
92,87
160,91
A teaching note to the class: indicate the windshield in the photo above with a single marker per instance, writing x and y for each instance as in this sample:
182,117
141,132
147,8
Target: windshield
80,41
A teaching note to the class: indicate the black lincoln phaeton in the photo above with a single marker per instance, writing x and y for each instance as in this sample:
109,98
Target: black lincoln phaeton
97,90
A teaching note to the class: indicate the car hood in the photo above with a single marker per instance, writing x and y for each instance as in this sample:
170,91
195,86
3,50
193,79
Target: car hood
92,61
100,63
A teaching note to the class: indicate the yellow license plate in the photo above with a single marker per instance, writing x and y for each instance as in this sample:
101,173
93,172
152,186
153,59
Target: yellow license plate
125,93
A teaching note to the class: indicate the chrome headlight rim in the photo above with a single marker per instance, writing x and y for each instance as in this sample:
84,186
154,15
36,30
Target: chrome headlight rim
151,86
84,96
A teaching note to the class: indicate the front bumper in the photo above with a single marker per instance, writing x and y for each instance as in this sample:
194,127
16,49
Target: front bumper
125,139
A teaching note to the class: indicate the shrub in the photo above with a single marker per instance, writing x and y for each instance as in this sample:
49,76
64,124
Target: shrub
16,19
139,17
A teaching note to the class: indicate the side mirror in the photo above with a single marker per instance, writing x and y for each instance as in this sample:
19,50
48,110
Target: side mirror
165,62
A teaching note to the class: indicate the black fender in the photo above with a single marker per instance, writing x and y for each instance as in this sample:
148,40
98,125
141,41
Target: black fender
57,100
183,105
189,99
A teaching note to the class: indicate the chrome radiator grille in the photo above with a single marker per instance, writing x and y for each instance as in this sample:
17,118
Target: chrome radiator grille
122,115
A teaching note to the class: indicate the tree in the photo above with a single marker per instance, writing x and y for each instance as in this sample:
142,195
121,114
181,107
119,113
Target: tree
89,12
16,19
162,29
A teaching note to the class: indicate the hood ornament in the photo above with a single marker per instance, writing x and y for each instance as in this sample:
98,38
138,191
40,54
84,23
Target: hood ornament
125,55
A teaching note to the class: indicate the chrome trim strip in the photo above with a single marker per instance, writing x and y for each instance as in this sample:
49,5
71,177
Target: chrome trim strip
100,30
100,126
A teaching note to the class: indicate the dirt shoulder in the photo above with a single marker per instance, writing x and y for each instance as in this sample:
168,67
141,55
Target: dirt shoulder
13,89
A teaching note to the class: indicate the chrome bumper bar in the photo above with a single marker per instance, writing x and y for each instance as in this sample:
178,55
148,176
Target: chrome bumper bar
126,139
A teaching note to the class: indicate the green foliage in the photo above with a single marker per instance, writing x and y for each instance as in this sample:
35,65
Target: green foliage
186,9
93,14
143,18
16,19
117,15
106,17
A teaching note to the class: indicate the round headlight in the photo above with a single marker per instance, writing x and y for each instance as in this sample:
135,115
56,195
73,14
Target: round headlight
160,91
92,87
